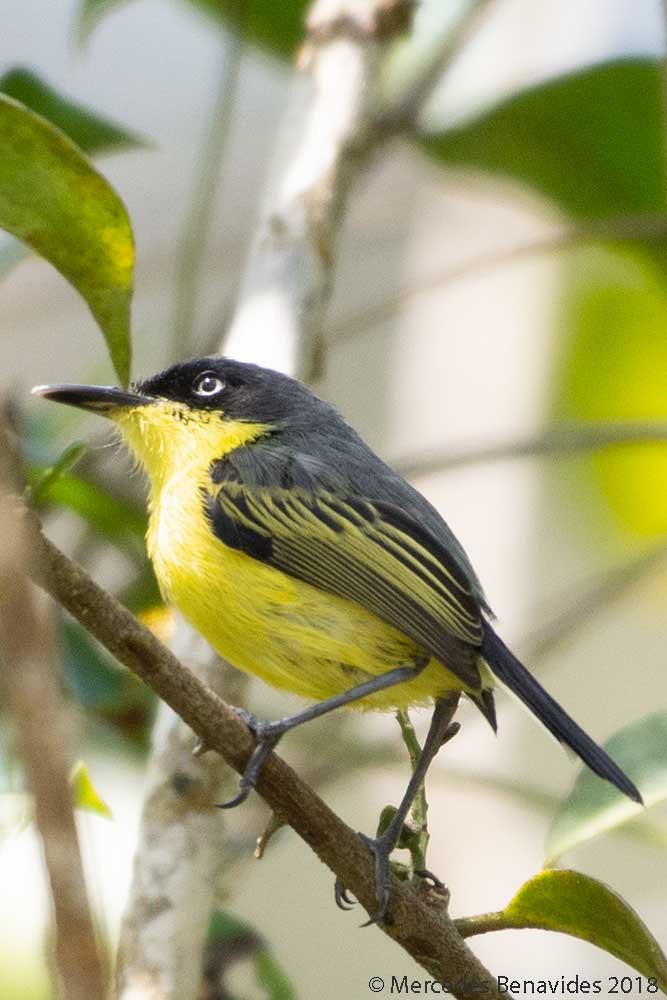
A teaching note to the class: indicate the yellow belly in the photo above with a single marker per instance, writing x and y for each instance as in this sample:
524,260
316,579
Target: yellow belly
266,623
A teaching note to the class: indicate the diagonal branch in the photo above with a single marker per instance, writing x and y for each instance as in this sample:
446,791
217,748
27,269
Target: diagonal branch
421,927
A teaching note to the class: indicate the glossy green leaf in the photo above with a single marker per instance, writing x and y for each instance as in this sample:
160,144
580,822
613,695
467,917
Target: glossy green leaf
84,793
591,141
582,907
277,27
594,806
53,199
84,127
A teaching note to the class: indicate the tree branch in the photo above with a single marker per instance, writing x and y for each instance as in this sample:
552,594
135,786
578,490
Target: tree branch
289,273
403,115
645,226
30,687
419,925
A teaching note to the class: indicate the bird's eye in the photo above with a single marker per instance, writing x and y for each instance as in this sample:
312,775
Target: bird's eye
207,384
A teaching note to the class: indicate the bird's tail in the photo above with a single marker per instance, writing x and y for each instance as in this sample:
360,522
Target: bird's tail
505,666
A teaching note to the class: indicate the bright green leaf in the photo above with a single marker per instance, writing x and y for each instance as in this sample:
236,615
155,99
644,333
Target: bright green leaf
277,27
594,806
53,199
84,794
87,129
591,141
582,907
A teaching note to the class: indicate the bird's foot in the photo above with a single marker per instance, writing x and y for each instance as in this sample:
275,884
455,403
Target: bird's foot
266,736
343,899
381,848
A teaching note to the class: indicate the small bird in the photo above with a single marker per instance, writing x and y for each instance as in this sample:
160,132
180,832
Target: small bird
306,560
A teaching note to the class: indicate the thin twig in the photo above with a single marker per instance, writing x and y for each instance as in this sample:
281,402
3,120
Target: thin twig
425,932
419,808
405,112
31,689
193,242
580,610
566,439
630,228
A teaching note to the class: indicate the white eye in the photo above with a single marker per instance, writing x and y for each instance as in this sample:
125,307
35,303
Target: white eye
207,384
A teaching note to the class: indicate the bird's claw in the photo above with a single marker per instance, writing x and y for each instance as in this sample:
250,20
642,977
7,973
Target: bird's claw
266,736
380,848
343,900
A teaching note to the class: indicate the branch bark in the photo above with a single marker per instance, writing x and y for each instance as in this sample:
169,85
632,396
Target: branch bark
31,690
287,281
420,924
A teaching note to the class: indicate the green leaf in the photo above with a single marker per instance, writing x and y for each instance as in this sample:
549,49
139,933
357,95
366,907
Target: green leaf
44,480
272,977
89,131
591,141
91,12
277,27
582,907
84,794
239,940
104,688
53,199
594,807
119,521
612,368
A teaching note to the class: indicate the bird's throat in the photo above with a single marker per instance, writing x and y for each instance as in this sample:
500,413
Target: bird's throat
175,444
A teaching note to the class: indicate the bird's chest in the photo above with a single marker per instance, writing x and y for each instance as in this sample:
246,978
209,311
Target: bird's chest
225,594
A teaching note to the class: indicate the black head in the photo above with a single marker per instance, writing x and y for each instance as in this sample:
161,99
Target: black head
239,391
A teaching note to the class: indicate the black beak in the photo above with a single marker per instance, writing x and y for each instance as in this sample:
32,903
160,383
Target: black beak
102,399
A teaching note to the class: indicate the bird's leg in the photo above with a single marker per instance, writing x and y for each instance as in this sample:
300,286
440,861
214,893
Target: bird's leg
267,734
382,846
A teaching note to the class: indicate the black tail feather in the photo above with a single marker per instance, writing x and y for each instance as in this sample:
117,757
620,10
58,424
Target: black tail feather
504,664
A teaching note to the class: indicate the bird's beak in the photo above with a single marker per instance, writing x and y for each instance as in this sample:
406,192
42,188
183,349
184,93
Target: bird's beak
102,399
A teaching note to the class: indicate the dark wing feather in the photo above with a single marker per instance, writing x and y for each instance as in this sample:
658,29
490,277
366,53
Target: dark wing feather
369,551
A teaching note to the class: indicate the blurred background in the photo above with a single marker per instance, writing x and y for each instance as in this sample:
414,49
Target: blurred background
501,276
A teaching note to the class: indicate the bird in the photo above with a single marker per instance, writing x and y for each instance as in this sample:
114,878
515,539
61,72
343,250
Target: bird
306,560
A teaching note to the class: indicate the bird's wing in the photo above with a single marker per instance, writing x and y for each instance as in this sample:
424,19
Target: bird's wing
369,551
